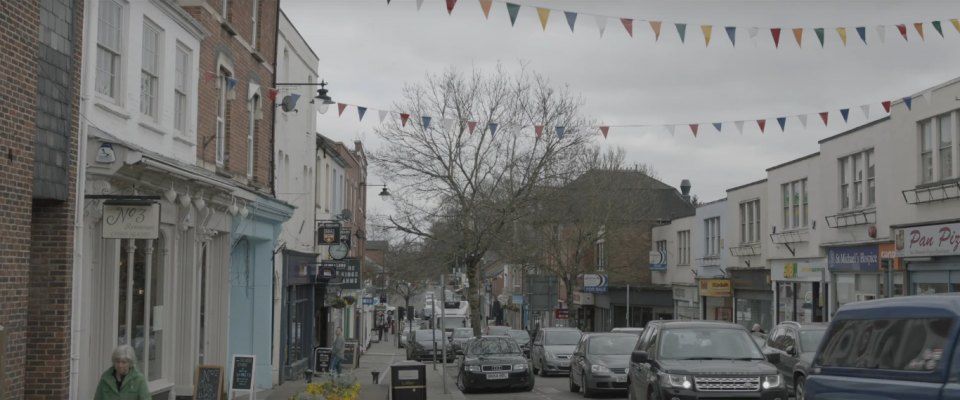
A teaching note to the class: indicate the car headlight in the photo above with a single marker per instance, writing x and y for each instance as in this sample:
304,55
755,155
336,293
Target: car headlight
548,355
680,381
599,369
771,381
472,368
520,367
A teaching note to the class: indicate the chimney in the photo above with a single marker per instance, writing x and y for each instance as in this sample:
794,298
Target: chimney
685,189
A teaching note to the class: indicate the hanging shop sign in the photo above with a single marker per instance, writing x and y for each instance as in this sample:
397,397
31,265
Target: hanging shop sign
658,260
854,259
131,220
349,273
687,294
888,257
801,270
328,233
929,240
715,288
594,283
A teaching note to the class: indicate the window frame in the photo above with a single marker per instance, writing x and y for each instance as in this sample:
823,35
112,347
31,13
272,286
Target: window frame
856,164
150,70
601,254
712,228
683,247
795,204
255,16
252,134
940,147
116,55
871,169
927,174
181,87
221,138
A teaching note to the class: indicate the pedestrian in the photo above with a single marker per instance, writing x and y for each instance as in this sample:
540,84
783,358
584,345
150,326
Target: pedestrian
337,352
380,332
122,380
757,329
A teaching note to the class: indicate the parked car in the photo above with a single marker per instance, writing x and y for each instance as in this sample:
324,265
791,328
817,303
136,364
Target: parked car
522,338
700,359
635,331
892,349
493,362
600,363
497,330
422,345
552,349
797,344
459,338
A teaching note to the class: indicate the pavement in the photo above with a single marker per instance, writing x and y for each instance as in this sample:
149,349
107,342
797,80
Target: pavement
377,358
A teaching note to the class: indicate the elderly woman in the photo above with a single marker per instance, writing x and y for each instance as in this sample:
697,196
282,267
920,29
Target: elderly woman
122,380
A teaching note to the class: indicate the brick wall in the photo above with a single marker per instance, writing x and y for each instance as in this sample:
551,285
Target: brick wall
247,69
39,82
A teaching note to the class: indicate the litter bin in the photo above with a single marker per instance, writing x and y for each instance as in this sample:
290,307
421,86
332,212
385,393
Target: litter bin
408,381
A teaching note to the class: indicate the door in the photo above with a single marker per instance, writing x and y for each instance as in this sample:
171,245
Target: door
536,351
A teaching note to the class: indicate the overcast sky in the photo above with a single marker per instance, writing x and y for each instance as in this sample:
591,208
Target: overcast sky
369,50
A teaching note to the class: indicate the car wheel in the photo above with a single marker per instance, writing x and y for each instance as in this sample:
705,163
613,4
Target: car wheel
462,384
574,388
799,387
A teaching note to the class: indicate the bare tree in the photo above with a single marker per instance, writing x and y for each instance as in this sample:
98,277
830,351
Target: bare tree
478,161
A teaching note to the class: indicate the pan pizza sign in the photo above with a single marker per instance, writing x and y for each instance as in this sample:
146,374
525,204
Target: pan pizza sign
928,240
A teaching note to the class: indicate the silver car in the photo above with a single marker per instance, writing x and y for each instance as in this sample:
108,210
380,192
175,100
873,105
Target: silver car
600,363
552,349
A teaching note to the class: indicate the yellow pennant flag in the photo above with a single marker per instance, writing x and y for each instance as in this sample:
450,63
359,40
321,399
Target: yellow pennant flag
655,25
798,34
956,24
919,27
485,6
544,14
843,35
707,30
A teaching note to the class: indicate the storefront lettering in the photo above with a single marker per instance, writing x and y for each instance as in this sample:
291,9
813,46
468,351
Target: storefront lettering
930,240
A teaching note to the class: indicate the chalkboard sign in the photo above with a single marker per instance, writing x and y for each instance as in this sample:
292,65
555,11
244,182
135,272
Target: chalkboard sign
349,353
209,383
321,359
243,370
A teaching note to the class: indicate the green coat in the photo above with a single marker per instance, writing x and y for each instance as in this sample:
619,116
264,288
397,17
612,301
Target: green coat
134,386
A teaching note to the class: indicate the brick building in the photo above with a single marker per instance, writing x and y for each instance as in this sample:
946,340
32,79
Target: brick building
39,97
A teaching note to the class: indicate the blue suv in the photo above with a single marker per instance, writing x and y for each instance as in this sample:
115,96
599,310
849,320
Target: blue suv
902,348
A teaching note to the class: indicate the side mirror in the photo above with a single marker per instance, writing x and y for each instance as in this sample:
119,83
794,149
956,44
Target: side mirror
639,357
773,358
791,350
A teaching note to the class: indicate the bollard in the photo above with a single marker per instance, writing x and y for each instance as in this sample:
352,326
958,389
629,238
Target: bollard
308,376
376,376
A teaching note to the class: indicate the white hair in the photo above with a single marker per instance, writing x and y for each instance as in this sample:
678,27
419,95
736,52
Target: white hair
124,352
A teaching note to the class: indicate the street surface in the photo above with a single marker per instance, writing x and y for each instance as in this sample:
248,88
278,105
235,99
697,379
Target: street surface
553,387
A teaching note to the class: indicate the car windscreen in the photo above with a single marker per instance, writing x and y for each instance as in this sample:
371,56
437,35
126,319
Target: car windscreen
462,333
810,339
612,345
708,344
426,335
488,346
522,337
899,344
561,338
498,330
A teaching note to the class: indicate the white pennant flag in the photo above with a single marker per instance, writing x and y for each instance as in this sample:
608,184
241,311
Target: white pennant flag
866,111
928,95
739,125
601,24
447,124
882,32
803,120
753,32
419,3
672,129
383,115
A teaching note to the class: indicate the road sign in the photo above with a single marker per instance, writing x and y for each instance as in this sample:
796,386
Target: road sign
594,283
368,301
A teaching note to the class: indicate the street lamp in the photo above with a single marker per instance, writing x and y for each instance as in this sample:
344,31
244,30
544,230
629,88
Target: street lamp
383,193
322,94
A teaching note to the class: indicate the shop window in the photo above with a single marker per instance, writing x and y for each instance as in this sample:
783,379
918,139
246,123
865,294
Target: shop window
888,344
140,309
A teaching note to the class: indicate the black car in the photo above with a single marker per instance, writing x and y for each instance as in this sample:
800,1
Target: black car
600,363
701,360
797,344
522,338
424,343
492,362
459,338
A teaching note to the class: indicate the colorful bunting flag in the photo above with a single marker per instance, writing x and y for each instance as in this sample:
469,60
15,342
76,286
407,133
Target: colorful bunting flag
919,27
783,123
762,123
866,110
419,4
655,25
862,31
718,126
571,19
845,113
886,106
485,5
939,29
825,116
272,94
425,121
231,88
448,123
819,32
903,31
472,125
403,118
682,30
798,35
672,129
604,130
843,35
601,24
450,4
361,111
341,107
909,102
803,120
628,25
882,33
383,115
560,131
209,76
956,24
775,32
493,128
513,9
544,14
538,129
739,125
706,29
732,34
753,32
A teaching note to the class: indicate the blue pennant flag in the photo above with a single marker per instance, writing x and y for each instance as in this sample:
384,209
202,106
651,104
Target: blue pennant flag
426,122
862,31
845,113
783,122
571,19
493,128
361,110
560,131
909,102
717,126
732,33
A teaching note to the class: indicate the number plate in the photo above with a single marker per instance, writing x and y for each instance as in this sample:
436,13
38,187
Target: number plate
564,363
620,379
497,376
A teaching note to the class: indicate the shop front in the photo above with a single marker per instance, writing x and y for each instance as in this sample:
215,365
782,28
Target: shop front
855,271
297,338
932,257
716,299
892,283
802,289
686,303
752,297
646,303
585,310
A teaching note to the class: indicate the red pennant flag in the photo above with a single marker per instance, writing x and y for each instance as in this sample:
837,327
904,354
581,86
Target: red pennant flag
824,116
886,105
762,123
693,128
628,24
404,118
903,30
342,107
272,94
450,4
209,76
604,130
776,37
539,130
472,125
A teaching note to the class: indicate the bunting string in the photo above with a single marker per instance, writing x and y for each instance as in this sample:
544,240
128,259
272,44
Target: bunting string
513,10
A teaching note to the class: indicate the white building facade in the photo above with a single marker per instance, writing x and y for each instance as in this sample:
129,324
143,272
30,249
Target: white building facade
715,293
747,239
674,266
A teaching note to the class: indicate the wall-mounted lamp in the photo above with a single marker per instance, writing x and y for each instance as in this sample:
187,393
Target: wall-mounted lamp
322,99
383,193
